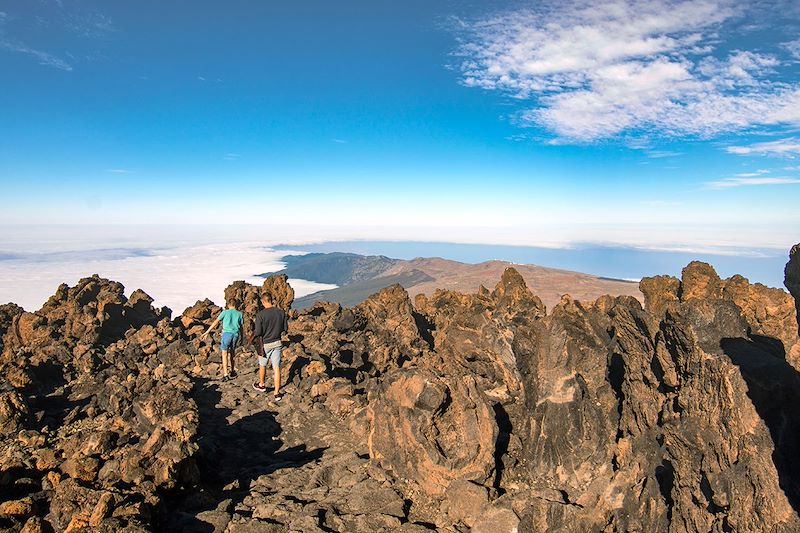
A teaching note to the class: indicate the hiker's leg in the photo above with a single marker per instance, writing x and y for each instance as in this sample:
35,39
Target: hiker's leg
232,354
263,361
275,359
226,344
276,371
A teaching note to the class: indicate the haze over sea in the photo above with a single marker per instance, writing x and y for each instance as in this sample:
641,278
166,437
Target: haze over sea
177,265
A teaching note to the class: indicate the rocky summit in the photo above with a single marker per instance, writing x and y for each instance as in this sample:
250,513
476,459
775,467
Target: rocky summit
454,412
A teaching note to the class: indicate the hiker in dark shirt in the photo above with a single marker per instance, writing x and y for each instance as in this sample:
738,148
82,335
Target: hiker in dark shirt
271,324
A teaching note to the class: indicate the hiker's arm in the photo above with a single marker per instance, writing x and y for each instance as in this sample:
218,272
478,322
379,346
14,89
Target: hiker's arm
258,330
212,326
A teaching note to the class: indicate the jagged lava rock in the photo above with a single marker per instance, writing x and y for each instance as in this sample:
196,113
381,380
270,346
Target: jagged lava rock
432,429
792,276
460,411
99,425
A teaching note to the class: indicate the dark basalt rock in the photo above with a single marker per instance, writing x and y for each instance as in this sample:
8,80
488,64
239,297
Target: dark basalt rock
456,412
792,276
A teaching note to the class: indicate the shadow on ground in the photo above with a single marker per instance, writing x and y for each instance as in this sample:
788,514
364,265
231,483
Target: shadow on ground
231,455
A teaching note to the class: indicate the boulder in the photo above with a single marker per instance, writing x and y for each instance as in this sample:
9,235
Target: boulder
13,412
432,429
279,289
391,333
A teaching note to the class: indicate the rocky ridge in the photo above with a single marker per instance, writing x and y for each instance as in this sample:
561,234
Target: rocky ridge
455,412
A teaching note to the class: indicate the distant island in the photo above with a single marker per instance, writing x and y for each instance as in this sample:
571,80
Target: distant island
359,276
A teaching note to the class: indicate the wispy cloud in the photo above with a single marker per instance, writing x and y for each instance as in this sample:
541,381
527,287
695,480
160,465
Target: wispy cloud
231,157
201,78
89,24
730,183
593,70
339,141
789,147
119,170
659,154
759,172
793,47
44,58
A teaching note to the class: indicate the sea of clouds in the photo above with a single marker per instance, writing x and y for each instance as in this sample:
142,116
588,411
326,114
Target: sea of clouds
178,265
176,269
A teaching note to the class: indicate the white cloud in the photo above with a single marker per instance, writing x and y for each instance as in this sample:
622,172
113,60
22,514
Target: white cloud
89,24
186,272
793,47
43,58
231,156
660,154
595,70
730,183
789,147
759,172
119,171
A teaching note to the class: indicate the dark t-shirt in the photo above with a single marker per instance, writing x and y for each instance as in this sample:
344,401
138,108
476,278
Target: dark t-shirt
271,324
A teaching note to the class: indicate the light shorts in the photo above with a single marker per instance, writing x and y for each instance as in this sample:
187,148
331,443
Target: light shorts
228,341
271,355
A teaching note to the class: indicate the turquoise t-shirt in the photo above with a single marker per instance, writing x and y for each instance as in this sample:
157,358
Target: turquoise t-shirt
232,321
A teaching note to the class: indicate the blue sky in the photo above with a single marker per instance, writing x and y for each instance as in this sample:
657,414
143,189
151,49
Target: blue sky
654,123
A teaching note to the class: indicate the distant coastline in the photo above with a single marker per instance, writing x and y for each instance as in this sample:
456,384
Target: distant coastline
612,262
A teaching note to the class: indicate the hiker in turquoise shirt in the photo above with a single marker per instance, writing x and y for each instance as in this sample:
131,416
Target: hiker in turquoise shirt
232,322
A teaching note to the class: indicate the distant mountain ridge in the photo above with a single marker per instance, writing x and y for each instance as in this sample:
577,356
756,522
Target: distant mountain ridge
359,276
335,267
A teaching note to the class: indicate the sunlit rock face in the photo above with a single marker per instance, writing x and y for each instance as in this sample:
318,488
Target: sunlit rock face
455,412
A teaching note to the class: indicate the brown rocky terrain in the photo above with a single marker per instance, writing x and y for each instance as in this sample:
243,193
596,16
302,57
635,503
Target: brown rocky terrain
426,275
483,412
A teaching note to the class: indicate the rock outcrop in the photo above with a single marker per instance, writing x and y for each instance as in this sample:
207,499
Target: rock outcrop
432,430
97,421
457,412
792,276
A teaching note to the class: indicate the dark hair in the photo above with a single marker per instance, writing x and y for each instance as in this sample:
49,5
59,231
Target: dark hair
267,296
231,302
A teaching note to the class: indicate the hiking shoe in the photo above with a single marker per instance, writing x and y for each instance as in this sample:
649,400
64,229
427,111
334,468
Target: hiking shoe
260,388
233,374
277,397
225,378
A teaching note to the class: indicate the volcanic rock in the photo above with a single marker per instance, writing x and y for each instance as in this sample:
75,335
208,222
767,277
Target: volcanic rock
459,412
281,292
102,417
432,430
792,276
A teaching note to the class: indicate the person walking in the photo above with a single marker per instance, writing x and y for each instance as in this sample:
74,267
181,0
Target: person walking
271,324
232,323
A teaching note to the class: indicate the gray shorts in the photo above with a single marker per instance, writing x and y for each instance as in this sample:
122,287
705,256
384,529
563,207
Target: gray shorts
272,355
